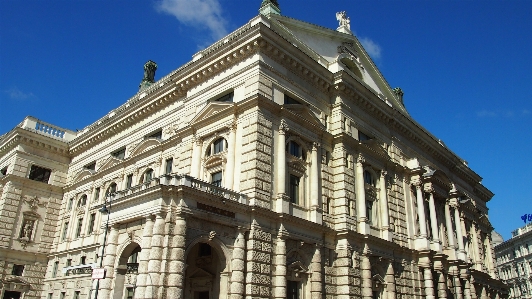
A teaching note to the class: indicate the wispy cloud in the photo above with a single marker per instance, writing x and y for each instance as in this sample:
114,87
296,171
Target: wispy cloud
201,14
373,49
507,113
16,94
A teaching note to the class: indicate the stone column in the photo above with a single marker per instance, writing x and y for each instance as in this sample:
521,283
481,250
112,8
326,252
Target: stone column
281,166
230,166
363,226
472,289
195,164
344,270
316,275
238,266
484,293
459,236
106,285
390,281
315,208
383,198
476,256
153,287
142,276
420,210
442,286
433,217
429,284
279,275
449,225
176,265
458,287
467,289
490,266
365,273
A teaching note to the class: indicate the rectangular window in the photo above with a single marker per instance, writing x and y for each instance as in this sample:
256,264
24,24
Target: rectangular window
294,189
369,211
92,220
129,181
18,270
39,174
78,228
91,166
65,231
130,293
362,136
96,194
294,149
216,179
68,264
83,260
169,165
54,270
219,145
292,289
120,154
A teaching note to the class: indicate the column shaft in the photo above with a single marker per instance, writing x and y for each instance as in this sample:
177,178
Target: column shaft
153,285
176,264
230,166
421,212
433,218
314,182
459,235
279,276
385,217
442,286
390,281
429,284
467,290
281,162
363,226
142,276
238,267
449,225
458,288
195,165
365,272
106,285
316,275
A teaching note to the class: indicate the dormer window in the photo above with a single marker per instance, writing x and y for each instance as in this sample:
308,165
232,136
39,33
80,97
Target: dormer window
290,101
362,136
226,98
91,166
119,154
157,135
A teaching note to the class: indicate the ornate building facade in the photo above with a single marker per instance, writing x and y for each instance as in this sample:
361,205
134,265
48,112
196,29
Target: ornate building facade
278,163
514,262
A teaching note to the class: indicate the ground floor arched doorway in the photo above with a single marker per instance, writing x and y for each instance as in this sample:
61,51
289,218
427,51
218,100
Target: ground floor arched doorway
203,278
126,272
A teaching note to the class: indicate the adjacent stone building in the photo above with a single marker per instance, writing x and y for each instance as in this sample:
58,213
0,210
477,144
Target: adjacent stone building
514,262
278,163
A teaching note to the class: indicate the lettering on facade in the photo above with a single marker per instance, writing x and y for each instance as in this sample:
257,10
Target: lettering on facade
215,210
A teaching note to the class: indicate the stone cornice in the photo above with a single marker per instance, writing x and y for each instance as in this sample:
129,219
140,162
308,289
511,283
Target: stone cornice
21,136
36,185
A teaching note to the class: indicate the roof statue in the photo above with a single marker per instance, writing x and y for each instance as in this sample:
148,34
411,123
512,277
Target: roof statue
266,2
343,19
269,7
149,75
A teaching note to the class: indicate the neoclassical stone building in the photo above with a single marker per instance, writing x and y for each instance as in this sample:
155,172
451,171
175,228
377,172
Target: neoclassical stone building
514,261
278,163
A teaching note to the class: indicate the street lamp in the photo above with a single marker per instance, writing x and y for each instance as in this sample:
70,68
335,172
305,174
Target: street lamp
104,210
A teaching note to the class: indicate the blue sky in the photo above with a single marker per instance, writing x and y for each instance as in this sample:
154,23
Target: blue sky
465,67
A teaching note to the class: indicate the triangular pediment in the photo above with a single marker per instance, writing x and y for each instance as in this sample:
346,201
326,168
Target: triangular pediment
144,145
336,51
83,174
109,162
302,111
212,109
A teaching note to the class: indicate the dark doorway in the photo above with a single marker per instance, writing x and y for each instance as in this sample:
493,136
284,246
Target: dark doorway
203,295
292,289
11,295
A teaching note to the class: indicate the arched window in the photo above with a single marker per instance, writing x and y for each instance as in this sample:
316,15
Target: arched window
82,201
147,176
219,145
368,178
111,189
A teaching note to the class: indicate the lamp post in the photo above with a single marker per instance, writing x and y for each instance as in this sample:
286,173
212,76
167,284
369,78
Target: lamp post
103,210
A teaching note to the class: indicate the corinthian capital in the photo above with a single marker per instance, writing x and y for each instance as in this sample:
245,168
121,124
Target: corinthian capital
360,159
315,145
283,127
383,173
428,188
417,183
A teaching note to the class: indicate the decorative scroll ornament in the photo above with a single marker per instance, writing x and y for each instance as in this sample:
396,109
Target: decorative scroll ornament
33,202
212,234
171,130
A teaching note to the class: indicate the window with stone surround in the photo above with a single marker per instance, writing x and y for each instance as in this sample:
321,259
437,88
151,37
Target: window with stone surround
39,174
119,154
216,179
70,204
78,228
18,270
217,146
65,231
146,176
227,98
3,171
91,166
129,181
82,201
157,135
96,194
111,189
293,188
92,219
168,166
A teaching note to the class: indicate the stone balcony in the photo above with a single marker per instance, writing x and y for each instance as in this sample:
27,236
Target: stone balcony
186,181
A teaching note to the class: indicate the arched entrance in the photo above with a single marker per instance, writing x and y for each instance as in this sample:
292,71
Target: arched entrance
126,272
204,279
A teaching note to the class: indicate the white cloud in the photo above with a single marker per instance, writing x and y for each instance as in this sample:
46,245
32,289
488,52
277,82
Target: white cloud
373,49
486,113
17,94
202,14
